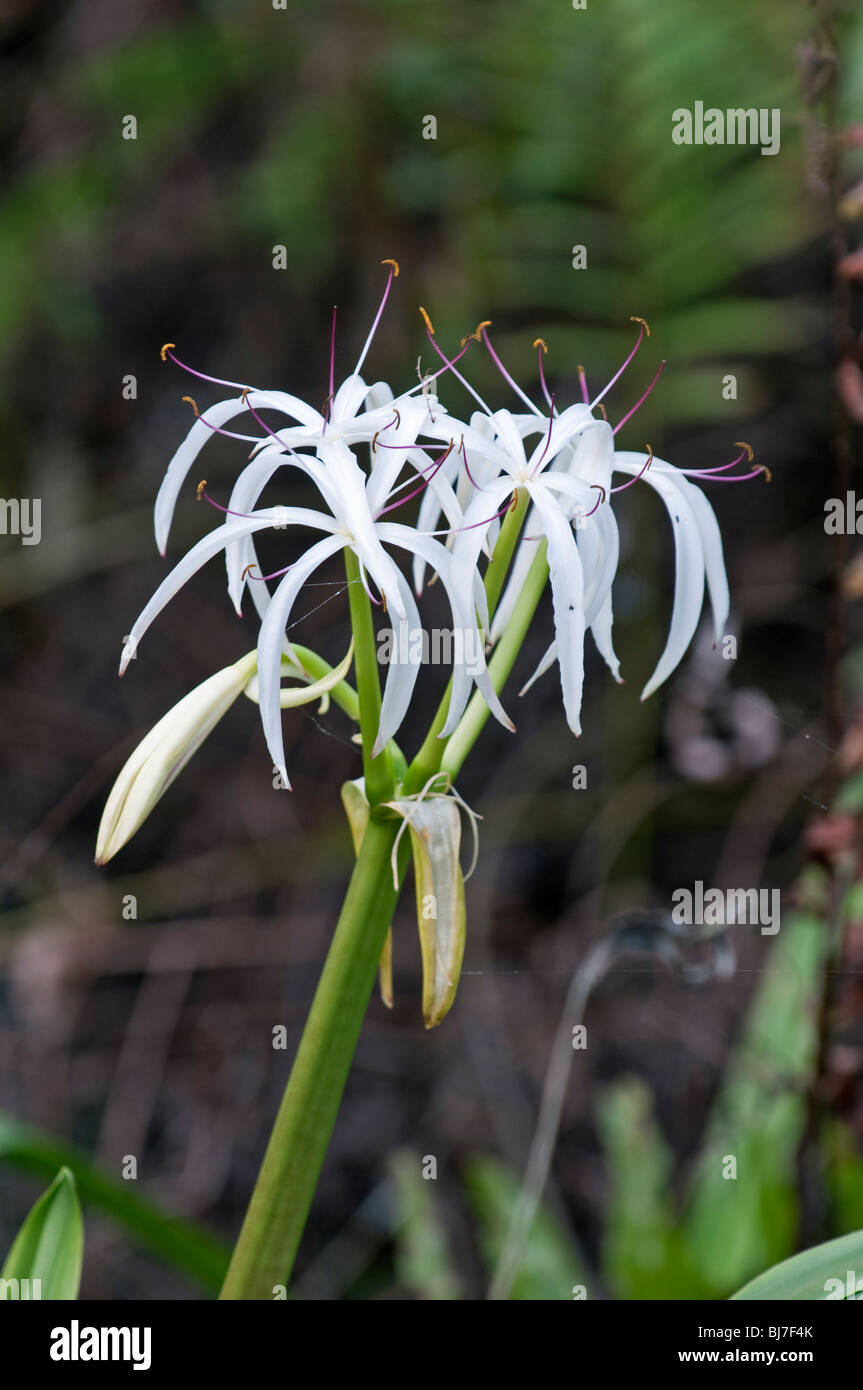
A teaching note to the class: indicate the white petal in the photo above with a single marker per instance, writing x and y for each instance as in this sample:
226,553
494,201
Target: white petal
567,591
464,621
402,673
689,563
204,550
270,643
546,661
217,415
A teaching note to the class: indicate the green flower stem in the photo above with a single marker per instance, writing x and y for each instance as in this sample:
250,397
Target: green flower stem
268,1242
277,1213
378,772
428,760
471,724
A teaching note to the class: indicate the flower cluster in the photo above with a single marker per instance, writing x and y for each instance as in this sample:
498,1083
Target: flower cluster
467,474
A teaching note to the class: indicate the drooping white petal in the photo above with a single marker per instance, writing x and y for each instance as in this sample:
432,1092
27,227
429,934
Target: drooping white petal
464,623
567,592
432,503
600,630
689,564
402,671
521,563
270,644
546,661
216,416
204,550
390,455
352,510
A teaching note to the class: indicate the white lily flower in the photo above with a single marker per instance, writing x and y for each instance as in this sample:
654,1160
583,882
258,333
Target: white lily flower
571,463
352,524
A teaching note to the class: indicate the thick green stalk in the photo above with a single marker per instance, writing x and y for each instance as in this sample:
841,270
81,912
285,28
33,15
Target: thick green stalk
428,760
378,772
265,1251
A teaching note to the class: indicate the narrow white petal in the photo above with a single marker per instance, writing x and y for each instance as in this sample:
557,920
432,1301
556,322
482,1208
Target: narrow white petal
689,564
216,416
464,622
204,550
270,642
567,592
601,632
402,673
546,661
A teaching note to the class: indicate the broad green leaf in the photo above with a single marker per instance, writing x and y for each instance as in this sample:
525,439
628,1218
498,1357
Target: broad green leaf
552,1269
824,1273
424,1263
50,1245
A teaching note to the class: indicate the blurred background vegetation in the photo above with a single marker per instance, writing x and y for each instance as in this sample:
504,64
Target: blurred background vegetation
302,127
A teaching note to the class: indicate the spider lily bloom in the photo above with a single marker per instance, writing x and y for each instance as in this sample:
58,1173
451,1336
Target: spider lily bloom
554,496
354,413
350,525
698,555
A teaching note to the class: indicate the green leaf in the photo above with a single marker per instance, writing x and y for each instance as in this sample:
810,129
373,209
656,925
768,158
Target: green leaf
742,1217
178,1242
50,1245
825,1272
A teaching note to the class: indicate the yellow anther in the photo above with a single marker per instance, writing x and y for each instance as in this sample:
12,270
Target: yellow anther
395,266
601,407
428,323
375,441
599,488
201,485
650,458
189,401
633,318
246,391
384,600
252,566
762,468
741,444
477,332
540,342
398,418
163,352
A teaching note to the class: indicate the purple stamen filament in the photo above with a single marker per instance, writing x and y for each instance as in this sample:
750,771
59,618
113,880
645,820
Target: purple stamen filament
623,486
505,374
640,402
619,373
